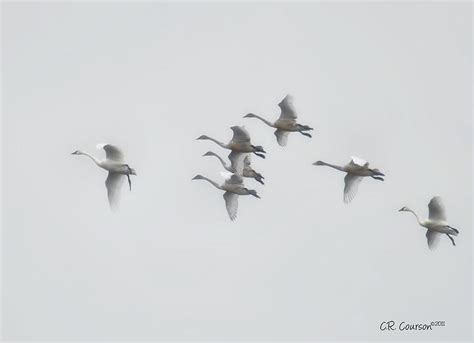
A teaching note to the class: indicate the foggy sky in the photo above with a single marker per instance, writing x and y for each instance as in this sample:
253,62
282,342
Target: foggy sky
387,83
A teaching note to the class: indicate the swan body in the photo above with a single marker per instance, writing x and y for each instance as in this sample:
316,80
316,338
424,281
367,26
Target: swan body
250,172
286,123
232,187
239,166
355,171
240,142
436,223
117,168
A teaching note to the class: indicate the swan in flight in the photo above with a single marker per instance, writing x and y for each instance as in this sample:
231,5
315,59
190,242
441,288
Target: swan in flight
355,170
114,164
244,169
286,123
240,143
436,224
233,187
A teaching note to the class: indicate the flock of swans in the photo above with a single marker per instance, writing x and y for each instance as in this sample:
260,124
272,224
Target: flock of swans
239,167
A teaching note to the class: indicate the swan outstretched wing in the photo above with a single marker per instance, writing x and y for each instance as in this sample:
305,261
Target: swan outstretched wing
282,137
351,185
359,161
111,152
287,109
436,209
240,134
114,184
237,161
433,238
234,180
231,204
247,161
226,174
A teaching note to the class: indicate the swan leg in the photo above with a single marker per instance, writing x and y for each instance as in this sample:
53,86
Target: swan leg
378,178
451,238
128,176
305,134
454,229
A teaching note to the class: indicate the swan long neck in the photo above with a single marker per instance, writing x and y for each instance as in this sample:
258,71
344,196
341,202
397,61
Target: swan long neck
215,184
217,142
264,120
222,161
415,214
332,166
93,158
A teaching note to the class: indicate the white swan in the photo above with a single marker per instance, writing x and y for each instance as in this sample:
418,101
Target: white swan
233,187
114,164
240,142
356,169
238,166
436,224
286,123
249,171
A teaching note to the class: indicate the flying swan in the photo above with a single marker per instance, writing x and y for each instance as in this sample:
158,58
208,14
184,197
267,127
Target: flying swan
436,224
243,169
355,170
240,143
114,164
286,123
233,187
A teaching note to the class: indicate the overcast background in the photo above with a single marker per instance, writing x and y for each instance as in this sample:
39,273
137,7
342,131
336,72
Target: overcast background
388,83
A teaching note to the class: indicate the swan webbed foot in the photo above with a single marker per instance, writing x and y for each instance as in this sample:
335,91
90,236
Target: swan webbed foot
451,238
454,229
259,155
260,181
378,178
305,134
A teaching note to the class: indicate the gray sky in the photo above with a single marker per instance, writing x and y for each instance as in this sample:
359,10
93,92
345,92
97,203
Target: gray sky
388,83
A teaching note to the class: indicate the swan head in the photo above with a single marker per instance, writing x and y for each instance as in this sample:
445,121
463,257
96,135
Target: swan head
318,163
77,152
252,192
202,137
250,115
404,209
198,177
209,153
